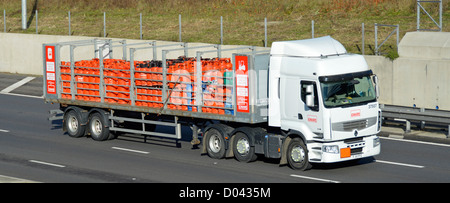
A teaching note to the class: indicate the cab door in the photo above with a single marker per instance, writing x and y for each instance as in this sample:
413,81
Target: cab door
309,110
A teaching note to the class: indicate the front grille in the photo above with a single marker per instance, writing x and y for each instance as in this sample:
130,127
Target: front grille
353,140
354,125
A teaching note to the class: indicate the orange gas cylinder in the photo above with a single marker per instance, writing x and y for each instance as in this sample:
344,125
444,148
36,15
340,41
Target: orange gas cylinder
143,75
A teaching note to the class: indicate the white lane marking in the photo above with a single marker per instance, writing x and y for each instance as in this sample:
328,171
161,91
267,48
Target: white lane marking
415,141
9,179
17,84
400,164
23,95
130,150
5,131
312,178
46,163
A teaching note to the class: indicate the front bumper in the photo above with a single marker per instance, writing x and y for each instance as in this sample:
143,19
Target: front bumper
344,150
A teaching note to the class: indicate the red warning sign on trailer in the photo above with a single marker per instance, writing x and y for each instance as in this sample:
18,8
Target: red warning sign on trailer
242,93
50,72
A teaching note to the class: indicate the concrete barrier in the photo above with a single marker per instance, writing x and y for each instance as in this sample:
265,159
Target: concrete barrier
425,45
421,75
22,53
422,83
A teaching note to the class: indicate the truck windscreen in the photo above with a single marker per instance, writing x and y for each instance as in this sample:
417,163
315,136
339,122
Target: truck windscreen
348,92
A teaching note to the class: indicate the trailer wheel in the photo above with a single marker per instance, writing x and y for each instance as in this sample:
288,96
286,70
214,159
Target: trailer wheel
215,144
97,128
72,120
297,155
242,149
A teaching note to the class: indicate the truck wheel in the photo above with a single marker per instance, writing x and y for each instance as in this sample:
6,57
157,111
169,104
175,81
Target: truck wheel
97,128
215,144
242,149
72,120
297,155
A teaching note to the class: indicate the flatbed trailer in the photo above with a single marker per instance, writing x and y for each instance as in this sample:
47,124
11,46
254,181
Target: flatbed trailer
83,86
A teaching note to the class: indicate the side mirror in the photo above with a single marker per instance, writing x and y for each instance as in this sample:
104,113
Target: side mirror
310,96
310,89
310,100
377,88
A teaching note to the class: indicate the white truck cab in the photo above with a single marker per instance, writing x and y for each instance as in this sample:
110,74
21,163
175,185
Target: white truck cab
324,97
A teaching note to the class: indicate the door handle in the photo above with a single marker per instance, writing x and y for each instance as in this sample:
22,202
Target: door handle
300,117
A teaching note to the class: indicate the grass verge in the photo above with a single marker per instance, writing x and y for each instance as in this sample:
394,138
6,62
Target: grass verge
243,20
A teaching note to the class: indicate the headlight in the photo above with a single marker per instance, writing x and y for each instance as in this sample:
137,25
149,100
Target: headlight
331,149
376,142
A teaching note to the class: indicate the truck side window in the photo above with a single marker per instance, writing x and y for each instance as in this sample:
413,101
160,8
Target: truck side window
303,93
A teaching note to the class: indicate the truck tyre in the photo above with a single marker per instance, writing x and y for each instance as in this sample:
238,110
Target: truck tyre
242,149
215,144
72,120
97,127
297,155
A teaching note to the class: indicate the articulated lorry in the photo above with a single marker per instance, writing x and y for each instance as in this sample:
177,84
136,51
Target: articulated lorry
302,102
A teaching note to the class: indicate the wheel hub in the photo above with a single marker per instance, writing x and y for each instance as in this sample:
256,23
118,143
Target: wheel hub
243,146
214,143
73,124
297,154
96,127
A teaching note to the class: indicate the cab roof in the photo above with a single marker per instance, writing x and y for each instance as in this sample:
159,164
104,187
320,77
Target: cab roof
315,47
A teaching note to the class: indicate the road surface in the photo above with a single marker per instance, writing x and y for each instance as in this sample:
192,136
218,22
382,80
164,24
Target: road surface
34,149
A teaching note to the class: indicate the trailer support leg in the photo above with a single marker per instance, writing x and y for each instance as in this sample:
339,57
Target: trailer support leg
195,141
143,126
